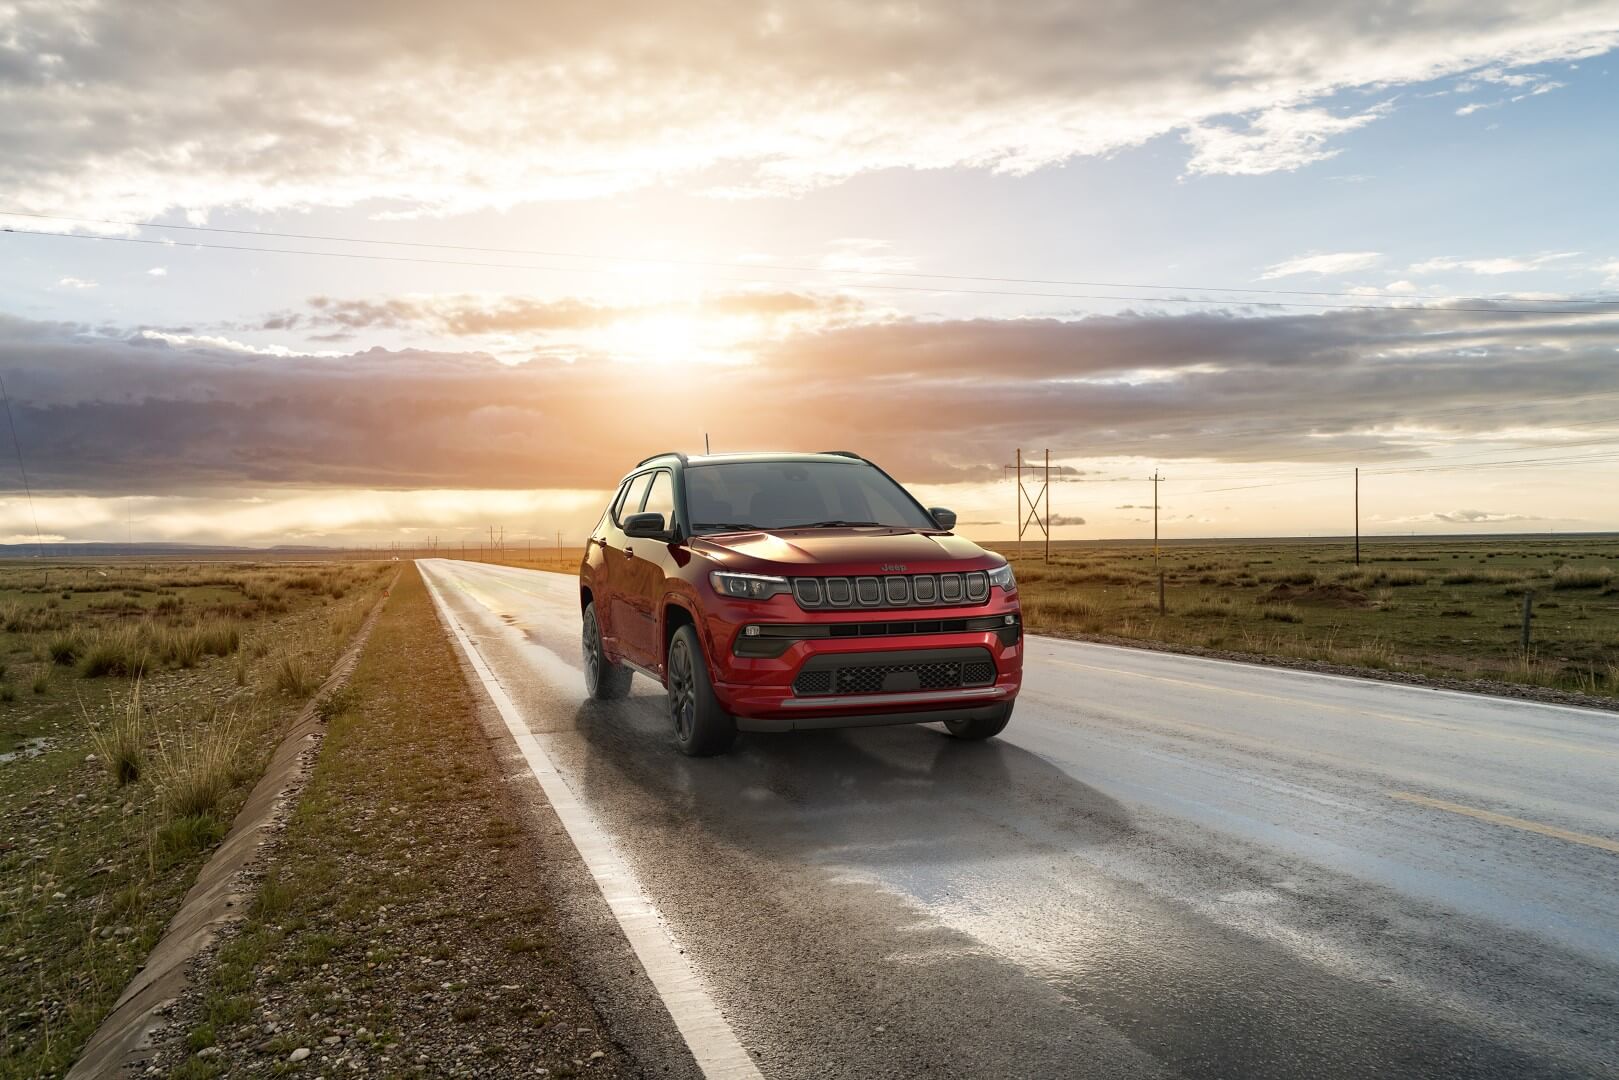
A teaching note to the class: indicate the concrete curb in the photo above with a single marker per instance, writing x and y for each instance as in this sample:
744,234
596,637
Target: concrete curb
120,1044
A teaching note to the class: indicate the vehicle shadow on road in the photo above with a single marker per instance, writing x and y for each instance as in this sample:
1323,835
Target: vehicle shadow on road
880,796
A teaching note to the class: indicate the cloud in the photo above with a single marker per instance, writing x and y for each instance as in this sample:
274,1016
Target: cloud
158,271
1062,520
125,110
473,315
1340,262
1476,517
1530,84
1276,140
1512,264
165,411
76,283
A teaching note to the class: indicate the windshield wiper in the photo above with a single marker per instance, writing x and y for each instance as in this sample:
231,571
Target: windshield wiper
838,524
726,526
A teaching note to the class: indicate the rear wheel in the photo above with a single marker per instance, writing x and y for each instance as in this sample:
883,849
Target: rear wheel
986,727
604,680
702,728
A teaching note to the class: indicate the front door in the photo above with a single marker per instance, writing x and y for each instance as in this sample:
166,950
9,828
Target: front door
649,570
625,576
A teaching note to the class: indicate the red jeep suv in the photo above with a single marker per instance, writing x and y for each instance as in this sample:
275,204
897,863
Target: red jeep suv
775,592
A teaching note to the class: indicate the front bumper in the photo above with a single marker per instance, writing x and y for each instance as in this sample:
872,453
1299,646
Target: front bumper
766,694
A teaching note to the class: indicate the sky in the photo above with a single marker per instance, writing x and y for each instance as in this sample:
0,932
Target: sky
358,273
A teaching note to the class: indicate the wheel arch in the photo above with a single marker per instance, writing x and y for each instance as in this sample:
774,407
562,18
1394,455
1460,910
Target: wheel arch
673,616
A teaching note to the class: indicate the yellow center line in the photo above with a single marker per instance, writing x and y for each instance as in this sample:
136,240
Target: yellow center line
1601,843
1560,744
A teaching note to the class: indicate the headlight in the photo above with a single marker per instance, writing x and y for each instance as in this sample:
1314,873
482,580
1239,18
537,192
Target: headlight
748,586
1002,576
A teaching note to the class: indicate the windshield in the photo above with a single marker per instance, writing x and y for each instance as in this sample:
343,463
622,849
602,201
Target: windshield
782,494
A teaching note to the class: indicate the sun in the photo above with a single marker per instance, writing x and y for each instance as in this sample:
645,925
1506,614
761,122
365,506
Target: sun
670,339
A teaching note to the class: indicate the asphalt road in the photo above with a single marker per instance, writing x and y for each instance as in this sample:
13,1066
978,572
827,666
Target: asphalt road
1165,867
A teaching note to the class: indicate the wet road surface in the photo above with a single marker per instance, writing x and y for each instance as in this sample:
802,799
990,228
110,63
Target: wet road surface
1166,866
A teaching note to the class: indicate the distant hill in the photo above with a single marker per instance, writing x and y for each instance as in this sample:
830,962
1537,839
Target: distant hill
150,550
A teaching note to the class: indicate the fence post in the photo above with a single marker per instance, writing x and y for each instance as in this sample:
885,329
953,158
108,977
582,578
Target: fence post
1528,616
1161,608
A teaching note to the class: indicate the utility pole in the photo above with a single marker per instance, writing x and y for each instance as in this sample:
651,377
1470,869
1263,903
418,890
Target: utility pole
1156,479
1357,515
1041,519
705,442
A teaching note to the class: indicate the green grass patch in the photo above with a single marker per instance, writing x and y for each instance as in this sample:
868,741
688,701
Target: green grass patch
1428,605
121,679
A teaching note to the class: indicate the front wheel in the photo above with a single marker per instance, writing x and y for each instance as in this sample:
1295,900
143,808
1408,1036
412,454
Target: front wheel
604,680
701,727
986,727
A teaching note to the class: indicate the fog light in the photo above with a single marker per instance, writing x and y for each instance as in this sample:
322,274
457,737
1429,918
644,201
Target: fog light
750,631
1011,620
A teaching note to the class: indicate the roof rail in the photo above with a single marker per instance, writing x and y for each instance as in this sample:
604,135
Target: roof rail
667,453
844,453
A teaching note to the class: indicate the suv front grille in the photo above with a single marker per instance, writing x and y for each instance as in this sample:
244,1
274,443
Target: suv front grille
892,591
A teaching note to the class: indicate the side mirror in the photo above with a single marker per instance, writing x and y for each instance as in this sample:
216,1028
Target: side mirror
945,518
645,527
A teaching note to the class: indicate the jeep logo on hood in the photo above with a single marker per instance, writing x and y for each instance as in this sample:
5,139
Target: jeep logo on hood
892,568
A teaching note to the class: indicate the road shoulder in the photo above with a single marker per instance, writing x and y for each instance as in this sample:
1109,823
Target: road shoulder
418,916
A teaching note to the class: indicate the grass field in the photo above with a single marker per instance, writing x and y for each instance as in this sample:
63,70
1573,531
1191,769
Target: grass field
1427,606
398,929
138,702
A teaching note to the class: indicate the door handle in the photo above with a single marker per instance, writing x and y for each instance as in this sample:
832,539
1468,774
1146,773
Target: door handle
629,553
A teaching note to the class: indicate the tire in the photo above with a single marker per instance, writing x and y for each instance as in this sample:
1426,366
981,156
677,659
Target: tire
604,680
702,728
986,727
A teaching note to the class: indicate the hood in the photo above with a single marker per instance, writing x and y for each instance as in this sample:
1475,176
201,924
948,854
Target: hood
844,551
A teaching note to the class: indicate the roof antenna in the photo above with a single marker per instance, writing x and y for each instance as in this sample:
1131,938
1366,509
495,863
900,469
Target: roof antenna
705,442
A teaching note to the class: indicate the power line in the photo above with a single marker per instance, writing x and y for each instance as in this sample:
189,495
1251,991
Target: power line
1466,466
1157,440
422,260
792,268
16,444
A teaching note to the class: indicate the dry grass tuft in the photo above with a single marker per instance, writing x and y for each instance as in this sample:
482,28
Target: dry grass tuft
294,675
1582,577
121,743
198,763
116,650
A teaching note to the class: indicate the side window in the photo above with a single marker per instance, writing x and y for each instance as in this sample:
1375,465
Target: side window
630,502
661,498
618,501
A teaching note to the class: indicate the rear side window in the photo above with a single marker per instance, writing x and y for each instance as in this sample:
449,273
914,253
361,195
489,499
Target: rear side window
630,502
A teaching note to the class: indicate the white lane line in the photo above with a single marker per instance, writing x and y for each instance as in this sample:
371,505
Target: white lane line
715,1046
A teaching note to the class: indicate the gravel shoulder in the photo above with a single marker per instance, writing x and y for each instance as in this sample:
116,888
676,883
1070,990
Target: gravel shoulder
414,919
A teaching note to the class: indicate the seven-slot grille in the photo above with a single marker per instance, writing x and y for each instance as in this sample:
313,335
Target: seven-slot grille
891,591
